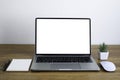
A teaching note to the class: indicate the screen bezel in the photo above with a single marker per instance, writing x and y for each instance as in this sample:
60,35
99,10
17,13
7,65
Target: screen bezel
62,54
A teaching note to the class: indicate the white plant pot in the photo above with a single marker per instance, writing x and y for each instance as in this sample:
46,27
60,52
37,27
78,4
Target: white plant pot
104,55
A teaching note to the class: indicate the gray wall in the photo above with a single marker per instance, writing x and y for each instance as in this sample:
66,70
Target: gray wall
17,18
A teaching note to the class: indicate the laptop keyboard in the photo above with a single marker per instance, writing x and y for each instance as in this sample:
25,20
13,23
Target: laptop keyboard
63,59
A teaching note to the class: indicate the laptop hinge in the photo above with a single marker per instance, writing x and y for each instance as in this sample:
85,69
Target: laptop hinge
64,55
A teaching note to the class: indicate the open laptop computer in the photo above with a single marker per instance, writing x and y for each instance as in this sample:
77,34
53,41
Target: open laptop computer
63,44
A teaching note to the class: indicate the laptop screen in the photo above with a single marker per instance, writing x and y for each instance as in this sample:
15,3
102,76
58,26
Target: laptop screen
62,36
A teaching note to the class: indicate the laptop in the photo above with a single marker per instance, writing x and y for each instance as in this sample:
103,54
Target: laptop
63,44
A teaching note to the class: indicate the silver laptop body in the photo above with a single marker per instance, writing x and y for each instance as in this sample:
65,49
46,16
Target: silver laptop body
63,44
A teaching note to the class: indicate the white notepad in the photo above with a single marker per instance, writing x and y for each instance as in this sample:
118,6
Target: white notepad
19,65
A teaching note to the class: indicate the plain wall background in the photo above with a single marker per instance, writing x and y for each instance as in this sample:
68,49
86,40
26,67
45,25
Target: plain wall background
17,18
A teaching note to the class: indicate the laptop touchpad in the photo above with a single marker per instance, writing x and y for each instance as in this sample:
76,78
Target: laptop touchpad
65,66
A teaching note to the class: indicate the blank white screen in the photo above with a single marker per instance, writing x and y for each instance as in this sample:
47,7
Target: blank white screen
63,36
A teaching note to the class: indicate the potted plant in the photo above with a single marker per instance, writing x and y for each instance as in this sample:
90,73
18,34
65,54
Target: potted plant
104,53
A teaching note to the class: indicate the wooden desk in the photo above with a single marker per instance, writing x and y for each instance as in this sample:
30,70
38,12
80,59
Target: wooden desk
27,51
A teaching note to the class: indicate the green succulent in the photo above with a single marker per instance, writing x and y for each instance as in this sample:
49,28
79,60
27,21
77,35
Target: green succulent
103,47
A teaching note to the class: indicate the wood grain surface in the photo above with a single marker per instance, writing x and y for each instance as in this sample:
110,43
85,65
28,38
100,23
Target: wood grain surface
22,51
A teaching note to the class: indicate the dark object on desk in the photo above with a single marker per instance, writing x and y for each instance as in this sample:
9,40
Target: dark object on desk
4,65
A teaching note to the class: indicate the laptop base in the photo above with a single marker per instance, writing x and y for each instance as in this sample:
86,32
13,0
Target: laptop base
57,66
